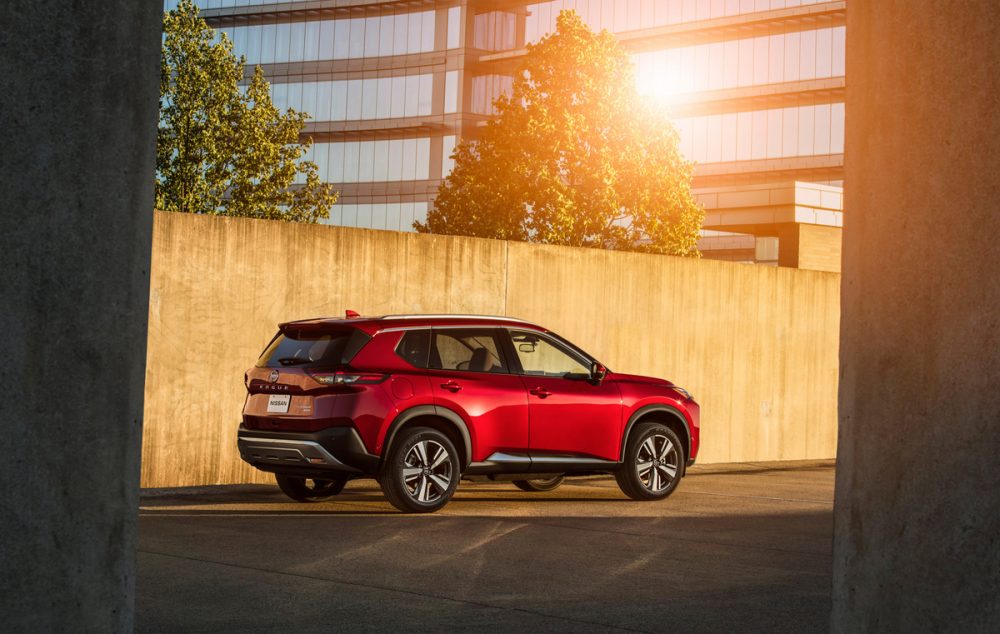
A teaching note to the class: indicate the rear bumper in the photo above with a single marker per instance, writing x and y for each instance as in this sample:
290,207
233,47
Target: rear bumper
337,449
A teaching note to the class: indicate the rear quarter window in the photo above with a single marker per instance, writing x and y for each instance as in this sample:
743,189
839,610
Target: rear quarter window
313,348
414,347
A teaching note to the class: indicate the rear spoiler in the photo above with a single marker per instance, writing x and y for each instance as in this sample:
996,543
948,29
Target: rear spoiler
316,323
292,328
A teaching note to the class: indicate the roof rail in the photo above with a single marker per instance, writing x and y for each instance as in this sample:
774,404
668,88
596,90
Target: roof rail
453,315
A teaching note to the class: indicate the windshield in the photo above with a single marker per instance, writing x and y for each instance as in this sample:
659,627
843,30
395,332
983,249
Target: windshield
312,349
572,346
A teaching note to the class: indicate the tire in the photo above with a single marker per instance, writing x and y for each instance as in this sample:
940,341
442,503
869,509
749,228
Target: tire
641,477
308,490
421,471
546,484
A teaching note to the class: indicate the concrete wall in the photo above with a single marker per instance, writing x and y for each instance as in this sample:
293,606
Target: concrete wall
917,514
78,103
756,345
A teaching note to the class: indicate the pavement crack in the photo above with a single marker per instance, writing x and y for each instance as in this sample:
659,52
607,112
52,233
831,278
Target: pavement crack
369,586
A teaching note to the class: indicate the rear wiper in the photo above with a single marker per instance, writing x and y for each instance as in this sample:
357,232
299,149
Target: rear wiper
293,361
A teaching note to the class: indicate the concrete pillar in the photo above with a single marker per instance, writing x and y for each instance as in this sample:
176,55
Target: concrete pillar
917,514
78,111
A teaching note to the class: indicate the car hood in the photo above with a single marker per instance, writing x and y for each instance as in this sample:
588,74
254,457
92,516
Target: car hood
638,378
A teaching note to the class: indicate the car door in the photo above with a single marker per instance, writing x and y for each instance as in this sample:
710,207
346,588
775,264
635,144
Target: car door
470,375
568,413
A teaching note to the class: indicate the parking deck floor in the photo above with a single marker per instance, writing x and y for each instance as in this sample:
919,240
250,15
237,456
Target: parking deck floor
738,547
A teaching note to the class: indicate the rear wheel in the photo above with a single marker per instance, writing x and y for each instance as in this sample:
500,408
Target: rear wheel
421,471
654,463
539,485
309,490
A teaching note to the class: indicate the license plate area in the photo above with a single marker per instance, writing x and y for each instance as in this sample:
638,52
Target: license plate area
278,403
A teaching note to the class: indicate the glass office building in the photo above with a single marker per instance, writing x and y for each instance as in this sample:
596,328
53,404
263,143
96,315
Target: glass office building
756,88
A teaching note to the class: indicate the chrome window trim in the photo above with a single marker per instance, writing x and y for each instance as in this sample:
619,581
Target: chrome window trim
402,329
448,327
447,316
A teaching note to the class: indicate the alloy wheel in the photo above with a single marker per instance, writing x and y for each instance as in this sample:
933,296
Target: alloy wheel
427,471
656,463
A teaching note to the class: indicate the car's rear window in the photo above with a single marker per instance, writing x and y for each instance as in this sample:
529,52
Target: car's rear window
313,348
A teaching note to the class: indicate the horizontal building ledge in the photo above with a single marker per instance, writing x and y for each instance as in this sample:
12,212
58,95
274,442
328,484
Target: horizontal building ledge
367,129
359,67
765,97
315,10
826,167
377,192
381,128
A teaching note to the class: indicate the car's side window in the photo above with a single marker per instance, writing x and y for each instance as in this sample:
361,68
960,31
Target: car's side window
414,347
540,356
468,350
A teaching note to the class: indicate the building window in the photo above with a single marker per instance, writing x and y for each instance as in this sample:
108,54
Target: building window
454,27
447,148
357,99
451,91
486,89
373,161
736,63
391,216
494,31
764,134
620,16
351,38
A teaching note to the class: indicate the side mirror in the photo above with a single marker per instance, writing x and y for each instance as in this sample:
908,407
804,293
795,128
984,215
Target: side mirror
597,372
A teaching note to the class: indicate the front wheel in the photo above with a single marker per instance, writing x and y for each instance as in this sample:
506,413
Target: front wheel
539,485
654,463
308,490
421,471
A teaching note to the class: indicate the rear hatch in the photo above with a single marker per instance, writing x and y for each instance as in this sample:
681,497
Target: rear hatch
292,379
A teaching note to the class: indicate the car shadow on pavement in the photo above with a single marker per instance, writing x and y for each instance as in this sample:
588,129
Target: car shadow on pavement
264,499
350,504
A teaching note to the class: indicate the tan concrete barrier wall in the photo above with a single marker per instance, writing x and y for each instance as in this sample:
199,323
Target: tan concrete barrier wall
756,345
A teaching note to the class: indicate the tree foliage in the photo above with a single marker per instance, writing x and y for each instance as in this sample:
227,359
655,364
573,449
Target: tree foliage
574,156
222,150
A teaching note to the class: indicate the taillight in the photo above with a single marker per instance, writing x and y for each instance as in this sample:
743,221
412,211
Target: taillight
348,378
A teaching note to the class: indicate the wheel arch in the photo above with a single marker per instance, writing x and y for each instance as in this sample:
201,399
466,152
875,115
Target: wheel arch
660,413
436,417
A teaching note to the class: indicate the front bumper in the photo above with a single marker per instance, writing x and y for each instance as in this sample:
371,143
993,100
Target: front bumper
337,449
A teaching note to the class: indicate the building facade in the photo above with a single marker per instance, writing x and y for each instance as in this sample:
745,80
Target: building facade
756,88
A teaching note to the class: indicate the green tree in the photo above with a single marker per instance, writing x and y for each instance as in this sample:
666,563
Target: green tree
221,150
574,156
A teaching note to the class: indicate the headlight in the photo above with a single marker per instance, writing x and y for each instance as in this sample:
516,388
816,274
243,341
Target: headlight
683,392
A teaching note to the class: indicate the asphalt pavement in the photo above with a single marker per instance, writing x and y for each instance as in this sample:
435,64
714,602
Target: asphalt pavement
739,547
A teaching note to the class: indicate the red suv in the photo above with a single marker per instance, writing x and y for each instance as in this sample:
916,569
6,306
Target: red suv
420,401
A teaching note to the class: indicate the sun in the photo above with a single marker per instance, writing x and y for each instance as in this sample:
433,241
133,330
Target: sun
658,79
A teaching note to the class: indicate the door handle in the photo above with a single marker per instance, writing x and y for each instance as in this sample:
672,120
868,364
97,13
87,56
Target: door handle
540,392
451,386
